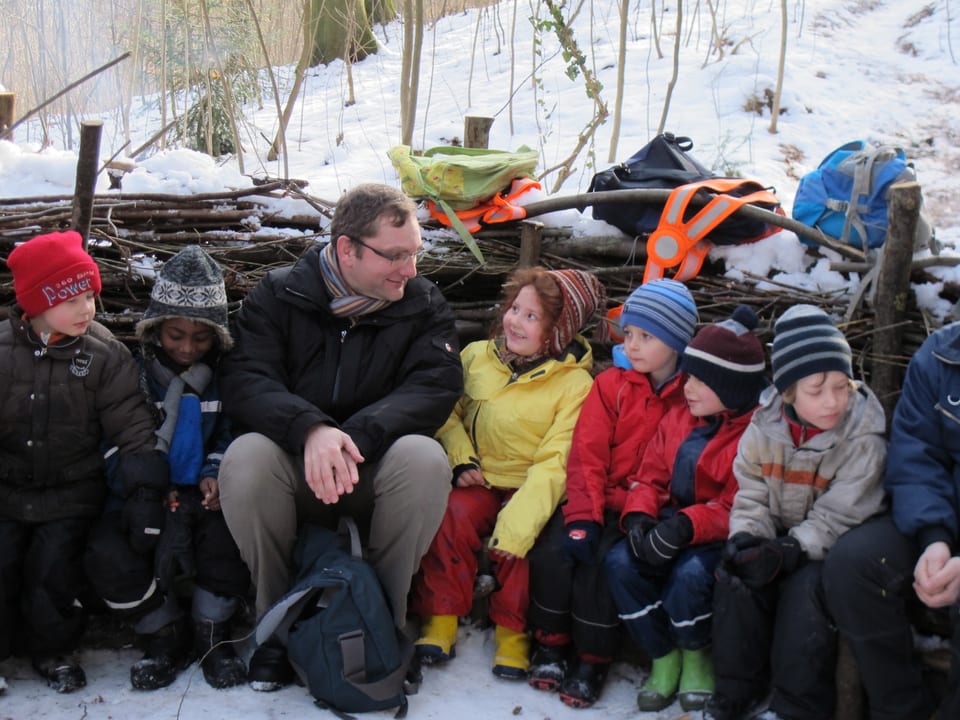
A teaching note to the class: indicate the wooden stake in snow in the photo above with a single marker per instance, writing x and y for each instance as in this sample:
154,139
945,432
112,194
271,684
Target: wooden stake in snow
87,163
893,290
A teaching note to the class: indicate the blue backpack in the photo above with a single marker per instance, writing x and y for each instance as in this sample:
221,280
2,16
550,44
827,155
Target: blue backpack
846,196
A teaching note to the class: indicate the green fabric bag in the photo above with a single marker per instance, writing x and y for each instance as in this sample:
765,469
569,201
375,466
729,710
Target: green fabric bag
463,177
459,178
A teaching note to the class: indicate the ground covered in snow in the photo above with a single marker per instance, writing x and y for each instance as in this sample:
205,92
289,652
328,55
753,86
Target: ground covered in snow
880,70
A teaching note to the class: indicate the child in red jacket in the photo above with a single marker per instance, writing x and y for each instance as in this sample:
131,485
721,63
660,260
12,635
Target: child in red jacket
677,514
571,613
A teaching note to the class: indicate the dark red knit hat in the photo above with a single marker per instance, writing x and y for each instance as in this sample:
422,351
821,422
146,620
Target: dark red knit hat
50,269
728,358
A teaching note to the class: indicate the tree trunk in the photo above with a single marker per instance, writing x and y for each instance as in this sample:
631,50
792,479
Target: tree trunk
341,31
381,11
410,69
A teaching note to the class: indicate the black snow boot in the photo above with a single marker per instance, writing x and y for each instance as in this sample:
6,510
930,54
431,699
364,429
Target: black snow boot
215,651
582,686
166,653
269,670
62,672
548,666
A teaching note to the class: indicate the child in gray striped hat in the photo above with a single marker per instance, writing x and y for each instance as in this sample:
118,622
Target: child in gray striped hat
809,468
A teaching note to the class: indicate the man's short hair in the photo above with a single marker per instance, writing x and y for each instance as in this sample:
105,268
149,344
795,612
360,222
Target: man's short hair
359,211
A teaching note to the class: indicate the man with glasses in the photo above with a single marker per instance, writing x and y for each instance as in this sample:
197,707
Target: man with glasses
344,366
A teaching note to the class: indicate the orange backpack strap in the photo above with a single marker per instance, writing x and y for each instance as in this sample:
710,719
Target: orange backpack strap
684,244
499,208
470,218
503,209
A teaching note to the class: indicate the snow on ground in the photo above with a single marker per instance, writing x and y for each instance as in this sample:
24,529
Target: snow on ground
874,69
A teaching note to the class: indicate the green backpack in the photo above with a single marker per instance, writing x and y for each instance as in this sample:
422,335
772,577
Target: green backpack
459,178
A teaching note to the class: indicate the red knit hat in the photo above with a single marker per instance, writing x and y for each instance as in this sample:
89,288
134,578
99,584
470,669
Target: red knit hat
582,295
50,269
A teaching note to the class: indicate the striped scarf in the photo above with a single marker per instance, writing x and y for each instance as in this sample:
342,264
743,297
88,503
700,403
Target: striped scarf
343,301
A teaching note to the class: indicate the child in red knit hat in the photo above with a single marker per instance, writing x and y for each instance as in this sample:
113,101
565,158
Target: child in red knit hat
68,386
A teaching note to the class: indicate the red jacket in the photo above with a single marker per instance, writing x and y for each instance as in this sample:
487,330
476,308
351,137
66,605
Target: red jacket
617,420
714,483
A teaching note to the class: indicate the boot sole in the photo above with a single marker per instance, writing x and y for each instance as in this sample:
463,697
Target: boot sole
544,684
434,654
576,702
654,704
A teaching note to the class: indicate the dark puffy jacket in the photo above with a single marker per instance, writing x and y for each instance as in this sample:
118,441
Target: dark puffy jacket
923,461
395,372
61,405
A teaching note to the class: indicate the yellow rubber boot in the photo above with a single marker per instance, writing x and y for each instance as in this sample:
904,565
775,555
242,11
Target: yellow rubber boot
438,639
512,659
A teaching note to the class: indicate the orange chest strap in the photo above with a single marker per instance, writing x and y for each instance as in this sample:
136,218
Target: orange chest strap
681,243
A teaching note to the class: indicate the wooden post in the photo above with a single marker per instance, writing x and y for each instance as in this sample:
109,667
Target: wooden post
7,105
88,162
476,131
531,237
893,291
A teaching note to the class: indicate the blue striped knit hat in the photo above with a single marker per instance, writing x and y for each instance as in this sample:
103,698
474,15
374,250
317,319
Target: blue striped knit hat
806,342
663,308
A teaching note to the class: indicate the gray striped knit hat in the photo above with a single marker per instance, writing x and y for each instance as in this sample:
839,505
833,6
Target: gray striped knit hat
663,308
806,342
189,285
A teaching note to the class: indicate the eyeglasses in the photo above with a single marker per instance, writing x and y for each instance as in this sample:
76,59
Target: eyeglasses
397,258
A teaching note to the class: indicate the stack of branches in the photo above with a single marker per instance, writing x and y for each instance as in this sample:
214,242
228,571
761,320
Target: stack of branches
245,234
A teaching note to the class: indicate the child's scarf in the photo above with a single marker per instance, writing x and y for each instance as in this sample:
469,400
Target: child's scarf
181,434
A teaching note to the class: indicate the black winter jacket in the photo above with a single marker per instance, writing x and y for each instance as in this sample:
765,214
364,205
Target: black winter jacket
395,372
61,405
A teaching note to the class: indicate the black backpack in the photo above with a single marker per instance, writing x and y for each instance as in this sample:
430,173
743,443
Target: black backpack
340,635
663,163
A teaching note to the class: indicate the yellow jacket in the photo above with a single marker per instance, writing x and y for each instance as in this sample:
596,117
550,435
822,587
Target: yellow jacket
518,430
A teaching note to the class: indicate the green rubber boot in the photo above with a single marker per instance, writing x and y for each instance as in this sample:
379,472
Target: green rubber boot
696,679
660,689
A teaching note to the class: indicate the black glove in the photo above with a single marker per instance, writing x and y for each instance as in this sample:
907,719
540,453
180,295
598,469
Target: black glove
581,540
662,544
174,557
760,565
142,519
740,541
637,524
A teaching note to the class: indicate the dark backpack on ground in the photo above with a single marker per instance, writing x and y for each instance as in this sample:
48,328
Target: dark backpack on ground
663,163
338,629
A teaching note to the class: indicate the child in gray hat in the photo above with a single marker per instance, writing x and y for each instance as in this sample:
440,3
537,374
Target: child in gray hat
183,332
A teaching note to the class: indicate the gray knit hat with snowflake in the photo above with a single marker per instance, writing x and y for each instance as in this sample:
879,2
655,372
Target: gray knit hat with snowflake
189,285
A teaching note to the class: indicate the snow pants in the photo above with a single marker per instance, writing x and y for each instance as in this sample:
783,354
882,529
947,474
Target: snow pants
779,636
665,607
41,578
201,545
126,580
868,579
444,585
397,505
572,598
